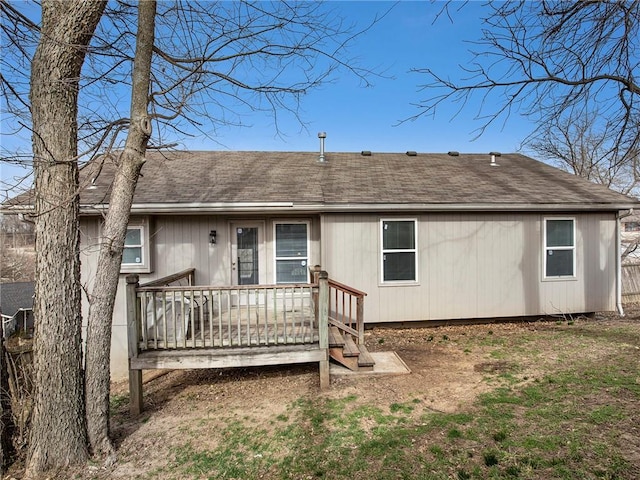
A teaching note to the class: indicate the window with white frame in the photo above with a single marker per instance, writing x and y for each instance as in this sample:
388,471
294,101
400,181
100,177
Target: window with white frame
559,247
135,254
399,250
292,252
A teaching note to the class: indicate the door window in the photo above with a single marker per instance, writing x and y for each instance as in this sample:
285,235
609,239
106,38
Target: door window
247,255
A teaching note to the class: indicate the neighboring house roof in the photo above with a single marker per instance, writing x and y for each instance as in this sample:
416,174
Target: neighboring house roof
181,181
15,297
634,218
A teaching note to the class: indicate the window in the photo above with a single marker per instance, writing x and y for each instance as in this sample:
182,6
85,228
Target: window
632,227
399,251
559,247
292,252
136,252
133,253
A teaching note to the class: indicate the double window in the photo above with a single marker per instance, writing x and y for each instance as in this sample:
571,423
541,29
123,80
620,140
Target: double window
399,250
559,247
292,252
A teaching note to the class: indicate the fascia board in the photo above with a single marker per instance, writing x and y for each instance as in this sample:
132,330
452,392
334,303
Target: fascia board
200,208
17,209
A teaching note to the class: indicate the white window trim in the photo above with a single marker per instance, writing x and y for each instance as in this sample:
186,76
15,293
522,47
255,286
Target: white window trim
275,249
383,251
545,248
145,265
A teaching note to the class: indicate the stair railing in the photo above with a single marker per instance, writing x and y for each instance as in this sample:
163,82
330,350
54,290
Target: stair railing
346,307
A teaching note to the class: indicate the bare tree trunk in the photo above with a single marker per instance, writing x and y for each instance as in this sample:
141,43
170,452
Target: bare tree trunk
58,431
6,422
115,226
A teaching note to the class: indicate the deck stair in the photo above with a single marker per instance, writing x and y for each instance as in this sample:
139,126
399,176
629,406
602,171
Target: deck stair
344,350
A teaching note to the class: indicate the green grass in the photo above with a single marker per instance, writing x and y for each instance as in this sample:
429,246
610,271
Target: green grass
564,425
117,402
402,408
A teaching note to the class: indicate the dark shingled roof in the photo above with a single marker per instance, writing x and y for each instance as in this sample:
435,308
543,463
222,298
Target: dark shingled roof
347,179
16,296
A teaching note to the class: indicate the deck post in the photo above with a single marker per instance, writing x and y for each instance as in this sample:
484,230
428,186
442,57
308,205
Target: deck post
133,322
315,274
323,326
360,318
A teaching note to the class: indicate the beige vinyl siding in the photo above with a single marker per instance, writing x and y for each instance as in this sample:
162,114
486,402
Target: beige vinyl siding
181,242
470,265
474,266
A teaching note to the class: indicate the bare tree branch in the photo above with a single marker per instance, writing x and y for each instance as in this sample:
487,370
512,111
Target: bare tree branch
579,146
552,60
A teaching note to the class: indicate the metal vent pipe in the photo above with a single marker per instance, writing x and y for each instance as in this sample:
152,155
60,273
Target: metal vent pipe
322,136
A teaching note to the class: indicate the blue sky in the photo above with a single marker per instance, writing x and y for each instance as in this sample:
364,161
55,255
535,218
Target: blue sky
357,118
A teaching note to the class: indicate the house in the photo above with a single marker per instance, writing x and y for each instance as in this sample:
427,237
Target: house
630,236
425,236
16,307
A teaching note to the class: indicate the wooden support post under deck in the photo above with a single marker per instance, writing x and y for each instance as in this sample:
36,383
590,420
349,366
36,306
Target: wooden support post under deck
135,375
323,327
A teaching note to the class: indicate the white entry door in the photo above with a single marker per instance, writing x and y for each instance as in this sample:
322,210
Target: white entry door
247,253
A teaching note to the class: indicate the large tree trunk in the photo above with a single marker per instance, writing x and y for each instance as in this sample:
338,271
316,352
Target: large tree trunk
58,431
114,230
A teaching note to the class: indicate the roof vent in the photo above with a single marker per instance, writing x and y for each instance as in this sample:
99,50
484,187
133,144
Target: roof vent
493,158
453,153
365,153
322,136
411,153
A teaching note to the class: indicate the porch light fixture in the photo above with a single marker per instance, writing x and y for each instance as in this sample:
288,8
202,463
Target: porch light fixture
212,237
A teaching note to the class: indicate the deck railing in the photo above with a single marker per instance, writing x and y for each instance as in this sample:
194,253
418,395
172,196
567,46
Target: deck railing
185,277
346,307
170,315
217,317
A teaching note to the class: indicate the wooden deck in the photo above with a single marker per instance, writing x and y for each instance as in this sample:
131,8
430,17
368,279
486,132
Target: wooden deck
173,324
187,326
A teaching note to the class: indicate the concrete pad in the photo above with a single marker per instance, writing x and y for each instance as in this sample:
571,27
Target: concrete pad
387,363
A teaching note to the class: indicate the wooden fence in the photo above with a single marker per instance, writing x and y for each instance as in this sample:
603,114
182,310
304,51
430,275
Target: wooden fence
631,283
